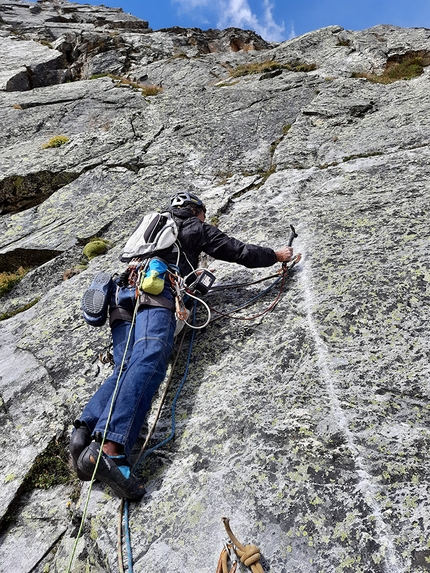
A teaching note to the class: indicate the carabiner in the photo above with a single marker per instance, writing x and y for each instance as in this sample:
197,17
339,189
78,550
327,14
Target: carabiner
231,552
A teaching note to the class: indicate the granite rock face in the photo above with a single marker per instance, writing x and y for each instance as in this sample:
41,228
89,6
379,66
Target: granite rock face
307,427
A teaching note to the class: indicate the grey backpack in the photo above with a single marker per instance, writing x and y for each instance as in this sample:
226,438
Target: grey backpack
155,232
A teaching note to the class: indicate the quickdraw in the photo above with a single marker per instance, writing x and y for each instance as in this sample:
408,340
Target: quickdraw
228,553
177,287
181,290
107,358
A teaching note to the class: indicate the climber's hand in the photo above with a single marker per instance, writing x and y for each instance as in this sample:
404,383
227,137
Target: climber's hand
284,254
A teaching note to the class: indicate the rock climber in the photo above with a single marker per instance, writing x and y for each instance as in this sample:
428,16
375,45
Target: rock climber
148,350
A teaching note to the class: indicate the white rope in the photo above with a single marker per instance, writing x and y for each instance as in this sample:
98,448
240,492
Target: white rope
207,309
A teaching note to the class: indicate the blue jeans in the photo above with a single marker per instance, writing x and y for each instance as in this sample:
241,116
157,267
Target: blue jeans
144,369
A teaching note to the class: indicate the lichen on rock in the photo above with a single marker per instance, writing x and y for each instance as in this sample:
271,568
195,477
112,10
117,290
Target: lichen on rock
309,426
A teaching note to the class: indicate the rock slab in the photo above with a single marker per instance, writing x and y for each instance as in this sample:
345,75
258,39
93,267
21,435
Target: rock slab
307,427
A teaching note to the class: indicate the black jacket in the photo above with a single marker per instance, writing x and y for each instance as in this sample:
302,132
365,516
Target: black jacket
196,237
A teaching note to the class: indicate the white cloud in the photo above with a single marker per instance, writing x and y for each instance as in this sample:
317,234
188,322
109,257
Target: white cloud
292,33
238,13
274,30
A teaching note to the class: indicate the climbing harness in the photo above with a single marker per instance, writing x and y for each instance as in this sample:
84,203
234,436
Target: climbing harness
234,550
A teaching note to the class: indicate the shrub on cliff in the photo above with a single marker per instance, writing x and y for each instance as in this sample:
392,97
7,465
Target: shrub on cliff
269,66
9,280
405,68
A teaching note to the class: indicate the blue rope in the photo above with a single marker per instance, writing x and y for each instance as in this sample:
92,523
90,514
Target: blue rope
258,295
127,536
175,399
262,293
156,447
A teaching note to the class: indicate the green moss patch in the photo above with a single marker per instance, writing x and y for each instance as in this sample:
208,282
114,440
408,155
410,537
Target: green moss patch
56,141
98,76
95,247
410,68
50,468
6,315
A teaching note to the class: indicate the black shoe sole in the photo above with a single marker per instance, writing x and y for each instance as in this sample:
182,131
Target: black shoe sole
95,299
78,443
108,473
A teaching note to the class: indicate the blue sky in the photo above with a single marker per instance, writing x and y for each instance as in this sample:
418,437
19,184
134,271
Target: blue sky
277,20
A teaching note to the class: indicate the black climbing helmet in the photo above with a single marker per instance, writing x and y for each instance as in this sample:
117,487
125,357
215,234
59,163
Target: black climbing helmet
185,199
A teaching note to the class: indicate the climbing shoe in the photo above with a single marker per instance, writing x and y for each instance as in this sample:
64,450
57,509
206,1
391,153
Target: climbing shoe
109,472
96,299
79,440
